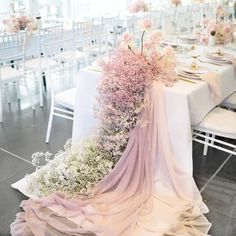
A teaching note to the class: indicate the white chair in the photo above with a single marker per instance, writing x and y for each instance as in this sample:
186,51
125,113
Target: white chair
63,102
132,26
12,64
46,37
218,122
82,38
230,101
105,35
156,18
4,15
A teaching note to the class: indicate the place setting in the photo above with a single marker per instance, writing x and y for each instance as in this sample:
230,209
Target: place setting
188,38
219,57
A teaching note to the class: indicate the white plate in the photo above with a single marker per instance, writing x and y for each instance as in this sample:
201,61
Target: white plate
168,43
186,75
188,37
214,56
200,69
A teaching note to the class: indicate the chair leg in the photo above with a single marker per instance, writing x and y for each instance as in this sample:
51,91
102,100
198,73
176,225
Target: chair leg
30,96
40,89
18,90
213,136
205,149
8,94
0,102
49,124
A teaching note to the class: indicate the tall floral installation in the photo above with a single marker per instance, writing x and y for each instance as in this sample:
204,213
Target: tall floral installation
220,28
138,6
176,2
126,76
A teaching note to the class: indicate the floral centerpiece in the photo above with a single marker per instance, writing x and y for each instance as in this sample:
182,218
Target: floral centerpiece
127,74
138,6
220,11
176,2
221,30
15,23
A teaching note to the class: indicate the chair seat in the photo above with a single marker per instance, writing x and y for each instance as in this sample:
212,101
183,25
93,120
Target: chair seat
33,64
8,73
67,56
230,101
66,98
219,121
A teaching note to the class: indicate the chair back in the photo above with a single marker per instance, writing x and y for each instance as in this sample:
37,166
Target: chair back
49,37
109,25
4,15
156,18
65,68
82,33
12,50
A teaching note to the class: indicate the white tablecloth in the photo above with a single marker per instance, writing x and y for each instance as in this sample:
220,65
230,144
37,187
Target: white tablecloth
186,104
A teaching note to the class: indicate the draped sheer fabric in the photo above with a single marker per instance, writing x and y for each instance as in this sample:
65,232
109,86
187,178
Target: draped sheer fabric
144,195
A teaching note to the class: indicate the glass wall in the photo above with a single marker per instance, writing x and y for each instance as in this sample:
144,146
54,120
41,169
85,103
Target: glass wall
75,9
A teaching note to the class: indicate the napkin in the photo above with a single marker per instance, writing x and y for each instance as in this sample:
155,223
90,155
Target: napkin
233,61
212,79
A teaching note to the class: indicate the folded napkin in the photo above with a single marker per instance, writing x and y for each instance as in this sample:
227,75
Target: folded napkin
212,78
233,61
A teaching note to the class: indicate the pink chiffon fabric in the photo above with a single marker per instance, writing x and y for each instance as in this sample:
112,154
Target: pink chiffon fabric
146,194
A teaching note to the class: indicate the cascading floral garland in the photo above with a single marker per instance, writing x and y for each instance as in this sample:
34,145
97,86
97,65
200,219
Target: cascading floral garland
126,76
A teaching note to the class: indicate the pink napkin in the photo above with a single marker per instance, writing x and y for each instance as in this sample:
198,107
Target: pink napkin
212,78
233,61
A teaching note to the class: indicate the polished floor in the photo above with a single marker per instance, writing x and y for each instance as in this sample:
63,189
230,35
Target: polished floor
23,133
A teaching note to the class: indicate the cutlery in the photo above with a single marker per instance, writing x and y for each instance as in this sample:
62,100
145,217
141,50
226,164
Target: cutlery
94,69
186,80
209,62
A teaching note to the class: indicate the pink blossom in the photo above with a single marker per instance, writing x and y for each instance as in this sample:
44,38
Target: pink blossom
176,2
127,38
204,39
145,24
205,22
168,51
138,6
227,29
155,37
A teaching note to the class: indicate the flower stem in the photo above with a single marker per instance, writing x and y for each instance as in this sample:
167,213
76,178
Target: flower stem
131,49
142,42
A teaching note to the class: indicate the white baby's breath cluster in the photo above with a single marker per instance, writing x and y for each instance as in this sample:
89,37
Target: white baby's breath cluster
69,172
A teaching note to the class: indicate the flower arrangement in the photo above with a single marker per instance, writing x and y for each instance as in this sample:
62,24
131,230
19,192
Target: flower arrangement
221,30
220,11
138,6
15,23
126,75
176,2
70,172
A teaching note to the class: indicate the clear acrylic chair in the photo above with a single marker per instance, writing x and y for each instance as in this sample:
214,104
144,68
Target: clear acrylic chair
46,37
63,101
12,64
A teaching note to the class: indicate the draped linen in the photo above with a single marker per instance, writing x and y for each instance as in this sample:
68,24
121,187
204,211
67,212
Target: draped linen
144,195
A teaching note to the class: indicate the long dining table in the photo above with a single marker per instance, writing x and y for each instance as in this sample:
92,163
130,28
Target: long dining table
187,103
